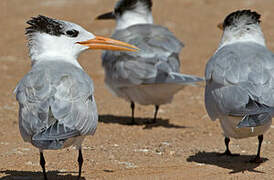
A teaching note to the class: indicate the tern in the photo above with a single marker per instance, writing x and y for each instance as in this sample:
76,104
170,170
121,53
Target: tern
240,80
57,108
151,76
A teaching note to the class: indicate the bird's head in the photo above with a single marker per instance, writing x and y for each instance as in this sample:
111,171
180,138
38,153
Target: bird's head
52,37
241,19
242,25
130,12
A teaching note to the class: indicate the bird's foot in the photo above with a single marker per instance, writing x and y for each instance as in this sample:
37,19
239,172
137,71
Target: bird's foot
228,153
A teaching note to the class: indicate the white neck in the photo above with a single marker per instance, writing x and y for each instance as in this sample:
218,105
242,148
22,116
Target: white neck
44,47
140,15
48,56
253,35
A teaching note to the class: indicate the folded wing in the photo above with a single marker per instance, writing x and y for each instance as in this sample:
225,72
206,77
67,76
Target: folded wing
240,82
56,103
154,63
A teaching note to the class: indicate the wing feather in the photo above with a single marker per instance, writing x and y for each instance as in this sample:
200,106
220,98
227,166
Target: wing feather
56,103
159,55
237,75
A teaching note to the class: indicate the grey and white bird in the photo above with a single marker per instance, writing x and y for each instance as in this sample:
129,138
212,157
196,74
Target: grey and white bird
57,108
151,76
240,80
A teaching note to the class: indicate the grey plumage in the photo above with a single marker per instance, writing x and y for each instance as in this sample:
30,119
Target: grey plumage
157,63
56,104
237,75
150,76
240,91
240,80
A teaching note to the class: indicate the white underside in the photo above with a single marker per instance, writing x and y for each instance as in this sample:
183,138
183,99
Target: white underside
76,141
229,126
155,94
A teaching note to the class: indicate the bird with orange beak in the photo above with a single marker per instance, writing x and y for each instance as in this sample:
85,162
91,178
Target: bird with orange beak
151,76
57,108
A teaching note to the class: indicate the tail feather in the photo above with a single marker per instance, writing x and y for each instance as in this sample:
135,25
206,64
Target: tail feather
184,78
49,144
255,120
53,137
255,114
177,78
56,131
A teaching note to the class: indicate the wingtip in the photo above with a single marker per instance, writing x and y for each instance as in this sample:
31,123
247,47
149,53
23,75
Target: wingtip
251,121
241,125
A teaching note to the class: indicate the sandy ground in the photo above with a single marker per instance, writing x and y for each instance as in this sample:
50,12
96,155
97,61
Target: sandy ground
184,144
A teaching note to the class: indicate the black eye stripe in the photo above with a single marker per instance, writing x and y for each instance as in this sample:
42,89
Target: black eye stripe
72,33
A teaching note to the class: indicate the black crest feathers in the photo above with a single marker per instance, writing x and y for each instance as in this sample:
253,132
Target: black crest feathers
124,5
248,16
44,24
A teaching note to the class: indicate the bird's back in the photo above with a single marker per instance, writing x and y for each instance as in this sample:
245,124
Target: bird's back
56,103
136,76
159,54
237,74
150,38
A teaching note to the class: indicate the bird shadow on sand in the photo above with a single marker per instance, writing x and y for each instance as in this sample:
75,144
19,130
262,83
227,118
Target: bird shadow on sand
125,120
29,175
238,164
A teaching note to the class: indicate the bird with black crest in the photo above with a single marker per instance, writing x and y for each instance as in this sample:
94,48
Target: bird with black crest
151,76
57,108
240,80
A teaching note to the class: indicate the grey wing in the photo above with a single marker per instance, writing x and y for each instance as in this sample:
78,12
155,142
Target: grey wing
55,106
159,55
175,78
235,100
237,78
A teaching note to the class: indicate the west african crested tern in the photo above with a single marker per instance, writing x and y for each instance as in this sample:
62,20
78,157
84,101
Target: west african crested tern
57,108
240,80
151,76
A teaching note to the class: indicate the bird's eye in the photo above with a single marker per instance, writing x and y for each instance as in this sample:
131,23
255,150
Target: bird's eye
72,33
117,12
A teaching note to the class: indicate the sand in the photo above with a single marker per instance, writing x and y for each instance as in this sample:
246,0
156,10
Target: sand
183,144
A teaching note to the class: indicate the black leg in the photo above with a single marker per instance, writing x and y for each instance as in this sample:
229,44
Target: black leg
227,151
155,113
132,105
258,159
80,163
43,163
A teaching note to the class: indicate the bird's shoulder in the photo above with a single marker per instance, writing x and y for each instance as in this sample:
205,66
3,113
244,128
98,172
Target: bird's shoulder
54,78
152,40
242,71
150,37
238,62
159,50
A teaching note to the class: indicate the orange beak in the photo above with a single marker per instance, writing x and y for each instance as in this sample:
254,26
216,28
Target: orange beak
108,44
220,26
